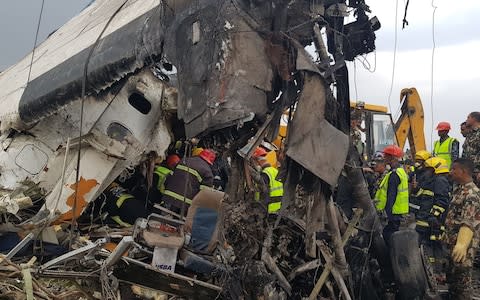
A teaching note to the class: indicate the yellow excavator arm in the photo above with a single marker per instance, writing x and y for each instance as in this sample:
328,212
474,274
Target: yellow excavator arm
411,121
381,130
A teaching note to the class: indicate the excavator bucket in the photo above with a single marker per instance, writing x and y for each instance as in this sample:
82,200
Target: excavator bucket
410,123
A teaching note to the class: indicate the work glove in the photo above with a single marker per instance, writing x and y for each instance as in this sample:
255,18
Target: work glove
464,239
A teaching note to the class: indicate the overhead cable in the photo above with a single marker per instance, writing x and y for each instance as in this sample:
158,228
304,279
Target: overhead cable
84,85
432,69
394,57
36,39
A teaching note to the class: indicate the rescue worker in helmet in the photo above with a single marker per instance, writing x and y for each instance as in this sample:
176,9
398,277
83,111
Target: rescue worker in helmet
447,147
220,170
391,197
189,176
442,190
430,218
419,168
379,171
420,180
422,202
270,189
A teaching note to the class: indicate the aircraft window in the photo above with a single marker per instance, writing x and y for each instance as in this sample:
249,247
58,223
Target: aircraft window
118,132
140,103
32,159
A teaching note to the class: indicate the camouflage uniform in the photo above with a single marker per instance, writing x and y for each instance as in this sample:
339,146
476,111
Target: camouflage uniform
356,136
471,150
464,210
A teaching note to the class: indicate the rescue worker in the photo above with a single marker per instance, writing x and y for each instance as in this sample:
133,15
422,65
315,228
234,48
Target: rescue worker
379,169
447,147
462,226
356,133
115,206
432,214
419,171
471,147
421,202
220,170
271,190
188,177
392,194
160,175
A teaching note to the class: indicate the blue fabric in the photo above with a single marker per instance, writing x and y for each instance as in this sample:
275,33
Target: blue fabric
198,264
8,241
204,223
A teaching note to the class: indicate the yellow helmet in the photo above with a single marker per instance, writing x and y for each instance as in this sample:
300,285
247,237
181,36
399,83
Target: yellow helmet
423,155
196,151
440,165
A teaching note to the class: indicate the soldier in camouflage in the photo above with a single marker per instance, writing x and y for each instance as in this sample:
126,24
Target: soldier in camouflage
471,147
356,133
462,226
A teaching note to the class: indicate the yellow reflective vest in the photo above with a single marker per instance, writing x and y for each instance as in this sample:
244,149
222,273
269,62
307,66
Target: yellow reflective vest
275,190
162,173
400,206
444,150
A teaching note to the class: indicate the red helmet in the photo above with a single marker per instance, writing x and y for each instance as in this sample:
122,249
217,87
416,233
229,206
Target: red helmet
259,152
443,126
393,150
172,161
208,155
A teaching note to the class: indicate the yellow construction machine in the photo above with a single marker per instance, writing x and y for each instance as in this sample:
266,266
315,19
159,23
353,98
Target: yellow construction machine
380,129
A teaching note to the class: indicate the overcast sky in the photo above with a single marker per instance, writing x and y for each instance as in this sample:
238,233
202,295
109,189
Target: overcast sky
456,77
18,24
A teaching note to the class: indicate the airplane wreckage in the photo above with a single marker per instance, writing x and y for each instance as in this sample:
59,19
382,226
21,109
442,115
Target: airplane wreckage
103,97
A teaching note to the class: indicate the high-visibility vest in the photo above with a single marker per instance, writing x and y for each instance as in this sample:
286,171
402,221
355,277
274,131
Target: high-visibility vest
400,206
193,172
162,173
444,150
275,190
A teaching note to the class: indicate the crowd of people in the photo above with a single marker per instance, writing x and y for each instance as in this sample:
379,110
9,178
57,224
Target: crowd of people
168,186
441,192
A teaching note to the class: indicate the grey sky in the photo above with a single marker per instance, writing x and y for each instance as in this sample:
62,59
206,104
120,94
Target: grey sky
449,30
455,70
18,24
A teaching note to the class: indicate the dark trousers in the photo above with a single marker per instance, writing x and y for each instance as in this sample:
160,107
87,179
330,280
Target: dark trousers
459,279
392,226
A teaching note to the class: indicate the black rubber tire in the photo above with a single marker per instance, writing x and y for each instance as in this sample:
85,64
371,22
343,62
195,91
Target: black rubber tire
407,265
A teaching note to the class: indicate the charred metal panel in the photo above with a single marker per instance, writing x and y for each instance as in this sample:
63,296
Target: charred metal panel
120,53
174,284
224,73
313,142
